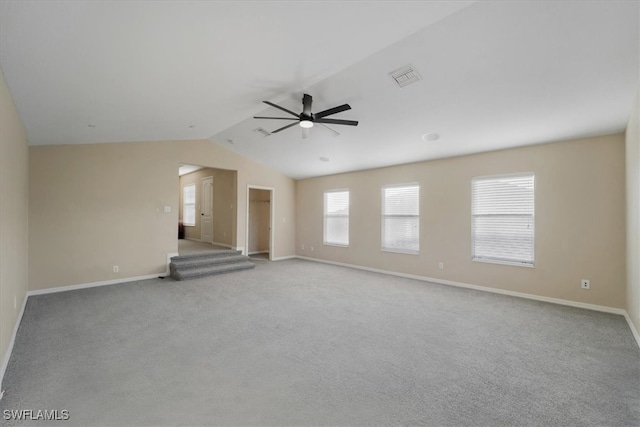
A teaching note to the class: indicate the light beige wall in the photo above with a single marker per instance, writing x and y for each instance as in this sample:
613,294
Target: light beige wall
14,206
259,220
632,138
224,203
98,205
580,216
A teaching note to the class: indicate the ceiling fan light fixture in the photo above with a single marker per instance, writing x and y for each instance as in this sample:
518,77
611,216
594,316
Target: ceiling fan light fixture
307,124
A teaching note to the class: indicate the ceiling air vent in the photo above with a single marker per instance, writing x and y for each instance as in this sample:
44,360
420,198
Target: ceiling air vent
261,131
405,76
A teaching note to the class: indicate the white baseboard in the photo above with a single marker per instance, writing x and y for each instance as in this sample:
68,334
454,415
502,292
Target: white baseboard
193,240
282,258
226,245
634,331
94,284
7,353
258,252
594,307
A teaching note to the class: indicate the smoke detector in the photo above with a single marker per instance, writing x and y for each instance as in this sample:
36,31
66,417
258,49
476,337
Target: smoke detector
404,76
430,137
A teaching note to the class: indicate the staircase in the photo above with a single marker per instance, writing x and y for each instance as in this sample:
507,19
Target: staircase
185,267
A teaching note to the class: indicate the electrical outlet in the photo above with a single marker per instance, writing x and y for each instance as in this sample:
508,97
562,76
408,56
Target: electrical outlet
302,247
116,269
585,284
441,265
311,248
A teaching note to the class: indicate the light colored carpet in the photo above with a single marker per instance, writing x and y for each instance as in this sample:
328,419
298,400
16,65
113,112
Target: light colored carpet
259,257
190,247
302,343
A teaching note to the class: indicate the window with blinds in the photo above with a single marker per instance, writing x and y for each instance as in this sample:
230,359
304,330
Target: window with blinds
336,218
189,204
401,218
502,209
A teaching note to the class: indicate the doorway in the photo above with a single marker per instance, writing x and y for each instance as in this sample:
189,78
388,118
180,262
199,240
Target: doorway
259,222
207,207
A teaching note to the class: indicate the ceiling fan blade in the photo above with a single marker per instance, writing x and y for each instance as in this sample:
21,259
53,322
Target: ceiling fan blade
306,104
330,111
284,127
305,132
331,129
337,122
275,118
281,108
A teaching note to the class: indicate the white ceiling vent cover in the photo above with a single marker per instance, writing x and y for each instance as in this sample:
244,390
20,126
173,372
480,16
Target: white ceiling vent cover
262,131
405,76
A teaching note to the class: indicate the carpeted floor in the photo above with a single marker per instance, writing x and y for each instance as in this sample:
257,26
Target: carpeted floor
189,247
302,343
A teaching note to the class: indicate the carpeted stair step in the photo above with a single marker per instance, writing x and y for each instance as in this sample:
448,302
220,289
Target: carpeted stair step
200,255
204,264
211,270
189,263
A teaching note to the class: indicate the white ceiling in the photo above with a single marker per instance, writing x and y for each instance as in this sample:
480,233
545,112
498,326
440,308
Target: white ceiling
495,74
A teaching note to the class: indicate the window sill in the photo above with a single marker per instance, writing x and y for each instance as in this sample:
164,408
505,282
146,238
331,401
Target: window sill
513,264
400,251
189,225
337,245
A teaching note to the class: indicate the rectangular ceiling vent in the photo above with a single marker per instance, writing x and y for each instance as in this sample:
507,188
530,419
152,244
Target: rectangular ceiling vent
262,131
405,76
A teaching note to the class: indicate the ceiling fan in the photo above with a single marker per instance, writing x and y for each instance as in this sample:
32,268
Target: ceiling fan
307,119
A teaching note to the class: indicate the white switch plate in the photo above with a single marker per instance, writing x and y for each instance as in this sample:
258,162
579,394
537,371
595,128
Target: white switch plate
167,209
441,265
116,269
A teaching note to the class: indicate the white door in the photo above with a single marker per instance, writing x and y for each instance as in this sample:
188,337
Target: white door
206,208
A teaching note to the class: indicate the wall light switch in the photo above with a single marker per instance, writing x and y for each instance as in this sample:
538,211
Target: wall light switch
167,208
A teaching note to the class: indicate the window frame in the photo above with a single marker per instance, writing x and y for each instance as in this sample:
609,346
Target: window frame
184,205
325,216
489,260
383,216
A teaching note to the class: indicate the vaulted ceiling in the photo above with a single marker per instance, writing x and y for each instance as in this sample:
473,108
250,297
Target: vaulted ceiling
493,74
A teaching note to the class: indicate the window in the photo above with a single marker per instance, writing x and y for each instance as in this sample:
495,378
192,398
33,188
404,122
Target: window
189,204
400,218
502,219
336,218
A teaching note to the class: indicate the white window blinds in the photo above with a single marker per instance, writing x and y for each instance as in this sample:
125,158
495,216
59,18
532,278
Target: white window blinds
189,204
400,218
502,210
336,218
